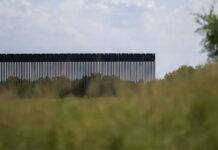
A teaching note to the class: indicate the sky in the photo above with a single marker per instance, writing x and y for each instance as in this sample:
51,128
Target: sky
164,27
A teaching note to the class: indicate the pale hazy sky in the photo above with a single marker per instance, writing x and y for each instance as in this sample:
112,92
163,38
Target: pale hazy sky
164,27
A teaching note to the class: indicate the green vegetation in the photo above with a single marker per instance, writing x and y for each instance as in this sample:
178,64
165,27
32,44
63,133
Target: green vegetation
176,113
209,30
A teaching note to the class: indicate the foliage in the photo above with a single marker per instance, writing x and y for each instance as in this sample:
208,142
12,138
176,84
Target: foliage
182,72
171,114
61,87
209,29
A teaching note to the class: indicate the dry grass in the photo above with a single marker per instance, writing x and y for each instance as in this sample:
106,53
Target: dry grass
177,113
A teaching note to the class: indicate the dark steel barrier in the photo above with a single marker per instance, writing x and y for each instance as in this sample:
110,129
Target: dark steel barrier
31,67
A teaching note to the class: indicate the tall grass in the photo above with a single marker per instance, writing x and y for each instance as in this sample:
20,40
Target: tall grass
177,113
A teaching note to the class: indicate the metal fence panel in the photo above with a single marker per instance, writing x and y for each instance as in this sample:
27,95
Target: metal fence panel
121,66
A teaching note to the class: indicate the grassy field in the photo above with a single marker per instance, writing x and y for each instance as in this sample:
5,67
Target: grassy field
177,113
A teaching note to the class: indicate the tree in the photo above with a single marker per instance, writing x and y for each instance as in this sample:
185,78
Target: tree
182,72
209,30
